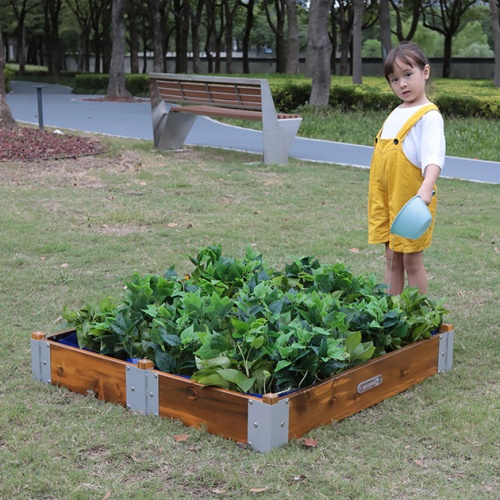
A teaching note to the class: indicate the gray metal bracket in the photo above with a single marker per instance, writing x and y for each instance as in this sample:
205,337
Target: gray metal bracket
445,360
267,424
40,360
142,391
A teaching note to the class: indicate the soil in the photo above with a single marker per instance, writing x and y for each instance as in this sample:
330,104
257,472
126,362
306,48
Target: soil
28,144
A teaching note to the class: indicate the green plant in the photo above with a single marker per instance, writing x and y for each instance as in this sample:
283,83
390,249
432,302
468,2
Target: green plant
242,325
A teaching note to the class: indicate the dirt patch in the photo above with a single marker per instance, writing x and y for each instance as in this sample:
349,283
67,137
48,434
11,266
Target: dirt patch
28,144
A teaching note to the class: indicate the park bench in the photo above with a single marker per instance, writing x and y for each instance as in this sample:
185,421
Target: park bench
218,97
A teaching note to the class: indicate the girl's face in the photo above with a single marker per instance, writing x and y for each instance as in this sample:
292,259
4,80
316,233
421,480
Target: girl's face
408,83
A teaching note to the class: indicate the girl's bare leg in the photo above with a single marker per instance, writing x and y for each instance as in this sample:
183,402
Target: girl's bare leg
394,271
414,266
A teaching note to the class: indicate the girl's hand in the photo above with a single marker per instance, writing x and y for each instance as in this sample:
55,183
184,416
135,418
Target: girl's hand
427,188
425,194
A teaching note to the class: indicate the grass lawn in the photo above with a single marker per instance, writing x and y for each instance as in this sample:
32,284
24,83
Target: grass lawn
73,230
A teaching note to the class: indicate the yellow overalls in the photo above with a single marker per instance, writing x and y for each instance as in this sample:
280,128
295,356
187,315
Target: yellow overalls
393,181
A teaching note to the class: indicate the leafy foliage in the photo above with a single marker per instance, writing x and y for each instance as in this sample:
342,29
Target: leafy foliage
242,325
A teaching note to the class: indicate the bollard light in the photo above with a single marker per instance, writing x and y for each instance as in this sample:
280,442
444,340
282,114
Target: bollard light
40,107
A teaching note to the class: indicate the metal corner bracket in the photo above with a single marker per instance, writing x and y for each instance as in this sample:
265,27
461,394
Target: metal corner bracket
142,391
40,361
267,424
445,360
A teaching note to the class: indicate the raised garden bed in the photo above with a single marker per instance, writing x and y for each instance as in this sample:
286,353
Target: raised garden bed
264,423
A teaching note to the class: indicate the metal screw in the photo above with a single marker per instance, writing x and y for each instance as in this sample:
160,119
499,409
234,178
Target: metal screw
256,425
128,368
156,376
132,389
250,402
282,424
150,394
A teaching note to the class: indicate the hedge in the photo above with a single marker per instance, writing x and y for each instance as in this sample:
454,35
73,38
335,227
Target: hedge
291,94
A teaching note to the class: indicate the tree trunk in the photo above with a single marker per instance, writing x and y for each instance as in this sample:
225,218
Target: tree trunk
195,35
133,37
116,86
6,119
53,41
182,10
107,42
447,56
293,42
246,36
357,29
319,50
385,27
495,20
158,56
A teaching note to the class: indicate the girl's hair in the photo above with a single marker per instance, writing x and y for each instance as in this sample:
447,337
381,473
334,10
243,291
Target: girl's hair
409,53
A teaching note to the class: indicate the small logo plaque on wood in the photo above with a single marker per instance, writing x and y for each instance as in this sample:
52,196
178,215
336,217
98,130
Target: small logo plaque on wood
370,384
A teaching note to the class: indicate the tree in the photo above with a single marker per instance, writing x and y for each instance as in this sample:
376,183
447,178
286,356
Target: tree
277,25
293,40
319,48
472,40
357,30
249,4
445,17
116,86
385,27
6,119
406,11
155,17
52,10
21,10
496,37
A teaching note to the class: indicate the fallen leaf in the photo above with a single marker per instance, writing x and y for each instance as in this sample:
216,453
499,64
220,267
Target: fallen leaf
217,491
189,225
172,224
299,478
420,463
312,443
107,495
354,250
259,490
181,437
65,265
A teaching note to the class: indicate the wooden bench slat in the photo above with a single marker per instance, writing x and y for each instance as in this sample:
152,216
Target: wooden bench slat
247,97
241,114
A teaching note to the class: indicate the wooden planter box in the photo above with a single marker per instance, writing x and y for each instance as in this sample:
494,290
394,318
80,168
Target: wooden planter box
264,423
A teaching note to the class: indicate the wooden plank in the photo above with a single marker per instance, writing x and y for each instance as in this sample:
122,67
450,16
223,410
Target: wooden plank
225,413
221,412
338,397
223,94
84,371
219,112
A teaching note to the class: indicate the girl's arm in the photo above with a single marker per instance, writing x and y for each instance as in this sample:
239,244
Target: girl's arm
431,176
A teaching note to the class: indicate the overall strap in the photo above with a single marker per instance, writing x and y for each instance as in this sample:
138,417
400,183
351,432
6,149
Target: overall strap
405,129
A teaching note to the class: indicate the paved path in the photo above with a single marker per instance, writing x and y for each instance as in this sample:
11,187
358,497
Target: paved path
61,109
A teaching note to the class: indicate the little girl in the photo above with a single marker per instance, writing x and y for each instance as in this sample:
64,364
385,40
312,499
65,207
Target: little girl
408,157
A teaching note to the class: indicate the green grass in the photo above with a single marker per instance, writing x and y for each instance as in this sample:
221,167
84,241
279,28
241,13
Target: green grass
465,137
73,230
